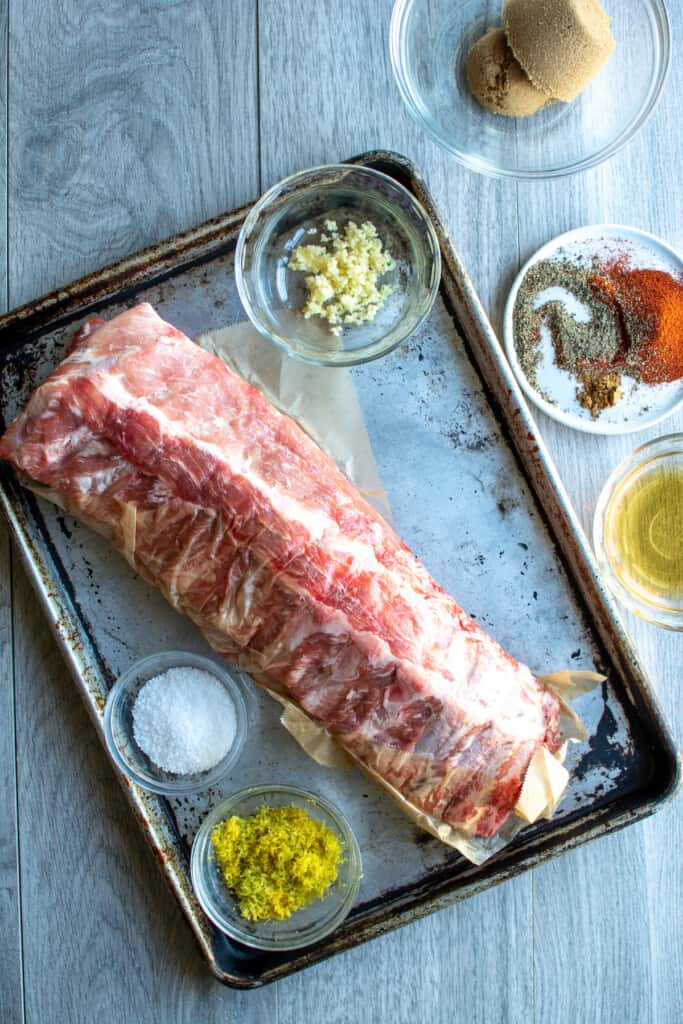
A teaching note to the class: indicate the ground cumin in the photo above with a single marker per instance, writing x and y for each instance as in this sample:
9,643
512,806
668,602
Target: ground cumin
597,392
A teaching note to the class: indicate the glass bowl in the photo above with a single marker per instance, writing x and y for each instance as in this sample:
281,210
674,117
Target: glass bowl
118,724
305,926
430,41
294,212
635,589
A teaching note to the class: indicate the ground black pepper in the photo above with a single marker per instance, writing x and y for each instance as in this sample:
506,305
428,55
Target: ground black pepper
576,344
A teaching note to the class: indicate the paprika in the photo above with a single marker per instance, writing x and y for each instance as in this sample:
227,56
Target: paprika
651,302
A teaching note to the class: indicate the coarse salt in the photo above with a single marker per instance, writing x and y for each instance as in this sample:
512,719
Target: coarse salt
184,720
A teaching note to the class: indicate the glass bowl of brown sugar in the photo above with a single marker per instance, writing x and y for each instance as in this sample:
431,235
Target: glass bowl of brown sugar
430,44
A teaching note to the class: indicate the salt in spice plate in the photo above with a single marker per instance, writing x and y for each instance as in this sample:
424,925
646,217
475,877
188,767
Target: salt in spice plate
642,405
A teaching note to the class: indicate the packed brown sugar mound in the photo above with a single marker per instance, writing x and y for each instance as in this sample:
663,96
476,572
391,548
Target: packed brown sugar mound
497,80
561,44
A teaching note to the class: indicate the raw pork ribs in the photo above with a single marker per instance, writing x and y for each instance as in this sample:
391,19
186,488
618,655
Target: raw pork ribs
247,527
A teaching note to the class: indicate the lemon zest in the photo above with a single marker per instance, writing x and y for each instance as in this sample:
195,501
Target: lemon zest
276,861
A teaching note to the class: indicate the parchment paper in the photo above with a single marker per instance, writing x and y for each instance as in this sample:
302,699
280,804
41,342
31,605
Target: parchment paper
324,402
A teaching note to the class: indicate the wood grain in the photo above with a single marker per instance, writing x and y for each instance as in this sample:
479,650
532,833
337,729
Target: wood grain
11,980
104,940
466,963
135,121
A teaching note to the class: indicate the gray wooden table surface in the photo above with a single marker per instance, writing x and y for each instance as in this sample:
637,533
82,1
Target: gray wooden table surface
126,122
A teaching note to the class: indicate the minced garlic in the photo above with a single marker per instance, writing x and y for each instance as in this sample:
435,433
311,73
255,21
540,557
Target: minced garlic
276,861
343,274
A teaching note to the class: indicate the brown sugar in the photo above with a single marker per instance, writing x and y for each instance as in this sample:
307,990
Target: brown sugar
561,44
496,79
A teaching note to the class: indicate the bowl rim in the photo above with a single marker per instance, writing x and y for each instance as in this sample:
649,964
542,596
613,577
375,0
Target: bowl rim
400,15
199,861
233,682
662,617
555,412
343,357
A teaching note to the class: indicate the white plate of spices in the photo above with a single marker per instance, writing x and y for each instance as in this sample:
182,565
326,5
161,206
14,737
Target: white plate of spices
593,329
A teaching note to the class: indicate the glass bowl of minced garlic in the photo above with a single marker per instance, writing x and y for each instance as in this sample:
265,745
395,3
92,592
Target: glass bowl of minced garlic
276,867
337,264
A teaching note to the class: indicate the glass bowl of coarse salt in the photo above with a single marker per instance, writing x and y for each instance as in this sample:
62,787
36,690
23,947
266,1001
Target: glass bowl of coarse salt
176,723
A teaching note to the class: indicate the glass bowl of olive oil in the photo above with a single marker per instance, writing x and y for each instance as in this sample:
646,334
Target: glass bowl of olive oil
638,531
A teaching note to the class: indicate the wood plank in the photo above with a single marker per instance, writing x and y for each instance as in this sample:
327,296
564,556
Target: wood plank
663,834
11,980
464,963
125,127
608,919
319,68
130,127
611,909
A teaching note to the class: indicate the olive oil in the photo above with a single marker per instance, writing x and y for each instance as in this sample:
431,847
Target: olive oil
644,532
